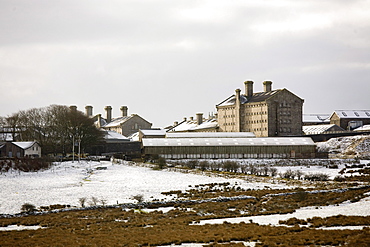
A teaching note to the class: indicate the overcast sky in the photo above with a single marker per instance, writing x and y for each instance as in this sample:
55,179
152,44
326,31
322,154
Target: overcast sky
167,59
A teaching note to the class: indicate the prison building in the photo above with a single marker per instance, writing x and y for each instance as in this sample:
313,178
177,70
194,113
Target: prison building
268,114
230,148
350,119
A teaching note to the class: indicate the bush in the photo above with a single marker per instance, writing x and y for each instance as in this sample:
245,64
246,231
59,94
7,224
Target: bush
82,201
28,207
317,177
161,163
139,198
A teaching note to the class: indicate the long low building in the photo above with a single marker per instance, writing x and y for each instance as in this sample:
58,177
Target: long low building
224,148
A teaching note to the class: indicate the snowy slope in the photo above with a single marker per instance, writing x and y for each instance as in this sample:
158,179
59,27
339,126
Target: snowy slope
347,147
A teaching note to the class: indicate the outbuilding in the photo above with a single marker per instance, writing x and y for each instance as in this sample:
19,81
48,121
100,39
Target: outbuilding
21,149
226,148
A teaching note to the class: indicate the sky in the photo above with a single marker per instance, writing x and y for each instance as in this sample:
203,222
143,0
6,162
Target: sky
167,59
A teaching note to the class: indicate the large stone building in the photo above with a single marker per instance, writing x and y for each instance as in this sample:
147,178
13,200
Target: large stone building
268,113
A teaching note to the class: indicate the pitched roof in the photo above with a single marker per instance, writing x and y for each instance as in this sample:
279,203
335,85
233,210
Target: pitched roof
117,121
316,118
24,145
256,97
363,128
114,135
210,135
352,113
192,125
153,132
319,129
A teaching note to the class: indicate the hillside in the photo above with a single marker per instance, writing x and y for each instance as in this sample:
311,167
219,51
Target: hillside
347,147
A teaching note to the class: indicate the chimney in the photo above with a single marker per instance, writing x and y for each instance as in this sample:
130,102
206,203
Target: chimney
175,123
99,121
185,119
237,97
124,110
199,118
267,86
73,108
108,110
248,88
191,118
89,110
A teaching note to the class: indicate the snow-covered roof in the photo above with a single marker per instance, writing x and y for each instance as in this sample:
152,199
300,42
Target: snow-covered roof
268,141
114,135
353,113
134,136
210,135
363,128
316,118
24,145
117,121
256,97
153,132
319,129
192,125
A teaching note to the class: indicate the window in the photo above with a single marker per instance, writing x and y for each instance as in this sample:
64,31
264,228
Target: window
356,113
344,114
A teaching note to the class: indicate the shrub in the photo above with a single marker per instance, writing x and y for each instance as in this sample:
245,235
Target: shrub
161,163
28,207
139,198
82,201
317,177
204,165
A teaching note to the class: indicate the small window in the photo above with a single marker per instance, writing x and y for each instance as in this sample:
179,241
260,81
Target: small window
367,113
356,113
344,114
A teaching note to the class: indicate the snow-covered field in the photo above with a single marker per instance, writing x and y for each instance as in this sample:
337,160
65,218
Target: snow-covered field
67,182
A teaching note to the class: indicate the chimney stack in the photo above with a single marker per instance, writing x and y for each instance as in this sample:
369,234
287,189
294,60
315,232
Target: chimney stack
108,110
124,110
237,96
99,121
267,86
73,108
248,88
89,110
199,118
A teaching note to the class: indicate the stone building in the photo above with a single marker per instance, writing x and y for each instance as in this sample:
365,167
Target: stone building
267,114
350,119
125,125
20,149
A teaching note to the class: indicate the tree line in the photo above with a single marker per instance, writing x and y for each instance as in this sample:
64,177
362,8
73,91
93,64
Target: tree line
56,128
